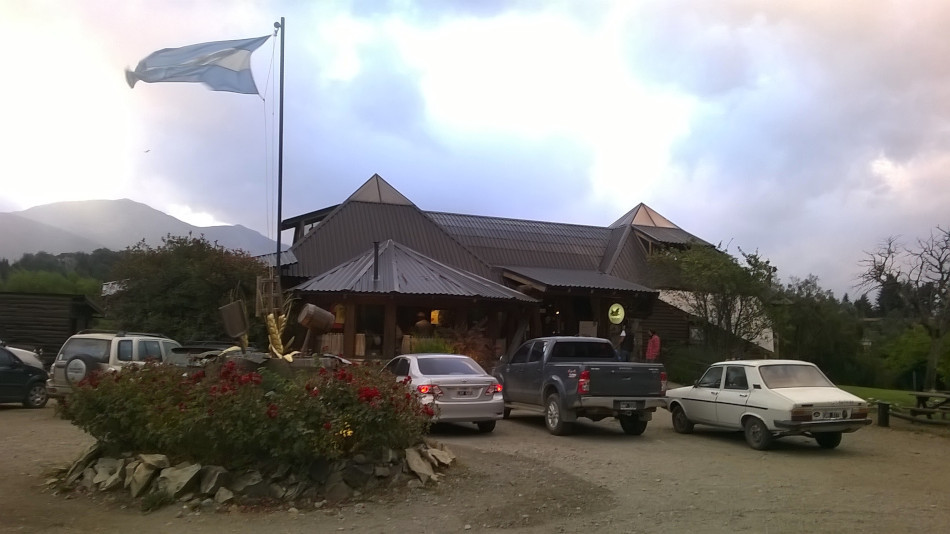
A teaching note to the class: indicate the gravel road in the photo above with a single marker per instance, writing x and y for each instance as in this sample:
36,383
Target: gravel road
521,479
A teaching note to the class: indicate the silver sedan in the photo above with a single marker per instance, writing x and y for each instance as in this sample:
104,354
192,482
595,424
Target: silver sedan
456,387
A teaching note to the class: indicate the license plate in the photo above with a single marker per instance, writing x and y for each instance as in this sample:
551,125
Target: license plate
831,415
463,393
628,405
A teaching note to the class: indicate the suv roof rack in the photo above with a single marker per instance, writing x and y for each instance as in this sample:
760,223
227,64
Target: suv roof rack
120,333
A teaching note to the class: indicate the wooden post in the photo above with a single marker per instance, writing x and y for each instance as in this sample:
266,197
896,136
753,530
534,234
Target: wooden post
389,330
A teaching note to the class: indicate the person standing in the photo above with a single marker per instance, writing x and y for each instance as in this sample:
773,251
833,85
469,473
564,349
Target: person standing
653,347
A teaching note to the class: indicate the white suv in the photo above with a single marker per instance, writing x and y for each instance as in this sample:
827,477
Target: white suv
92,350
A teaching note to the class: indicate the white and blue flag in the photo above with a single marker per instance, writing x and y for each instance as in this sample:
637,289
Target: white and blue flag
221,65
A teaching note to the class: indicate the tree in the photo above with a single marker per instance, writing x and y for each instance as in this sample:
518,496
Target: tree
920,278
177,288
731,298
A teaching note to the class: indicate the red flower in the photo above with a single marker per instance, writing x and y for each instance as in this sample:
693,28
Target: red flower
181,406
314,392
272,411
367,394
426,409
327,426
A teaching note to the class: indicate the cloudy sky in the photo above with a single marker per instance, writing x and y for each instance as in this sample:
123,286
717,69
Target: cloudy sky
808,131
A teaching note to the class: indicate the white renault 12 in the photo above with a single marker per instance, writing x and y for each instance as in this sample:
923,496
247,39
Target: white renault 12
768,399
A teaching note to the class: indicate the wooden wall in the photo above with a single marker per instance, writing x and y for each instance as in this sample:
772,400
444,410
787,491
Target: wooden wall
43,321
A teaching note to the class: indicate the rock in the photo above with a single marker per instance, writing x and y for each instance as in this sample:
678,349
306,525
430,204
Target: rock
356,475
295,491
141,478
276,491
178,480
360,459
116,479
129,469
381,471
223,496
104,468
245,480
319,471
158,461
442,456
414,483
419,466
88,478
337,491
82,462
280,472
212,478
208,505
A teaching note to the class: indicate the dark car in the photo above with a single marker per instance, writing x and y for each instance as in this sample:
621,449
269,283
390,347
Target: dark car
22,378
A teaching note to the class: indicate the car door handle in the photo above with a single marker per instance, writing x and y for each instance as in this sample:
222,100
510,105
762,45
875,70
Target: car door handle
743,394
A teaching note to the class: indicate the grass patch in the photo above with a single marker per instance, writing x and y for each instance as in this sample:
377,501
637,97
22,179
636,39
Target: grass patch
893,396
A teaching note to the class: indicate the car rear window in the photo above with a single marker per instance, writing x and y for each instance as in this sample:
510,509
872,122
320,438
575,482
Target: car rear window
793,376
98,349
583,351
448,366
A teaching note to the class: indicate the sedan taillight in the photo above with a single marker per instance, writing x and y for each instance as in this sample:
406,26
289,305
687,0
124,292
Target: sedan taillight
859,412
492,389
801,414
429,389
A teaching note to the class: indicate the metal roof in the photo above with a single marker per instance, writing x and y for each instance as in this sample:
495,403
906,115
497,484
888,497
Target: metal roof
576,279
286,258
399,269
670,236
502,241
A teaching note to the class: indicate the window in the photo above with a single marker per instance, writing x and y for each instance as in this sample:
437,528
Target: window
398,367
447,366
711,379
793,376
583,351
98,349
124,352
521,355
149,349
6,359
735,378
537,352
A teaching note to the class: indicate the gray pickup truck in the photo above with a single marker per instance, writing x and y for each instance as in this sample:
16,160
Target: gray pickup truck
564,378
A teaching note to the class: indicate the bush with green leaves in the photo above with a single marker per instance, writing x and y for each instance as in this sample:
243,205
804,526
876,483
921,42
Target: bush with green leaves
235,416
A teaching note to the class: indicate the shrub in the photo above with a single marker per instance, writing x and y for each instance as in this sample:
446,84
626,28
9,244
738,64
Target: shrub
235,416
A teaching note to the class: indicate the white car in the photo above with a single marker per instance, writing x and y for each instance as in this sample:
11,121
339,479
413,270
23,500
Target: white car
456,387
768,399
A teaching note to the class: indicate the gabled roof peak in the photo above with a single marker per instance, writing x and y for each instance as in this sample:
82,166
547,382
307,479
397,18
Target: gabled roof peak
379,191
643,215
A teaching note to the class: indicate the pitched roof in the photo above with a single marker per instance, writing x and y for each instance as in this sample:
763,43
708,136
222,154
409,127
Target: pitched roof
399,269
569,278
374,213
647,222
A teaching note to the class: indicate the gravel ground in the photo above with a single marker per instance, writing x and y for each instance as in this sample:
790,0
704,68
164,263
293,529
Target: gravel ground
521,479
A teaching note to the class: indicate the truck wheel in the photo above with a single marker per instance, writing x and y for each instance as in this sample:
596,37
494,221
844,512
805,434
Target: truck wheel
553,418
828,440
485,427
757,435
681,423
632,425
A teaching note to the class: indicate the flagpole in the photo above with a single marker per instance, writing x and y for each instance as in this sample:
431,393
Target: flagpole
280,146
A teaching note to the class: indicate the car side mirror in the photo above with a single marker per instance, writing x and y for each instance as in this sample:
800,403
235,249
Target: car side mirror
695,382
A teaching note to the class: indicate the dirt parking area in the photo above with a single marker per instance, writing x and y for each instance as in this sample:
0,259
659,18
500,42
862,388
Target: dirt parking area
521,479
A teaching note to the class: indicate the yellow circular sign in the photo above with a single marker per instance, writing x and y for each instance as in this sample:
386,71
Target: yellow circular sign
615,313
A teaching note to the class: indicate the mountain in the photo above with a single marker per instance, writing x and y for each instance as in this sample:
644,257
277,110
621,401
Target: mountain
83,226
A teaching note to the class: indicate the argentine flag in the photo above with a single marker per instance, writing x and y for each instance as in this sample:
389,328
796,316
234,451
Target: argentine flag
221,65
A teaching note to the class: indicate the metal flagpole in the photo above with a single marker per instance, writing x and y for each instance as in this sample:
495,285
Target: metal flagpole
280,146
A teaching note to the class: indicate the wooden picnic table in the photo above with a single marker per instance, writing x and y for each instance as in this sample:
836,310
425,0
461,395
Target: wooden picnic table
931,402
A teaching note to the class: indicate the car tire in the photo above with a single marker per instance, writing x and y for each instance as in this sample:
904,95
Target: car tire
632,425
681,423
484,427
828,440
757,435
79,367
36,396
506,413
553,418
